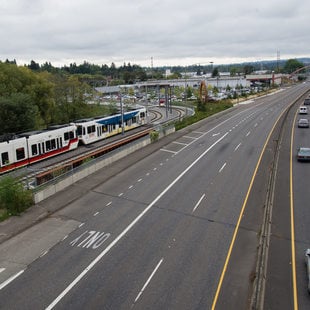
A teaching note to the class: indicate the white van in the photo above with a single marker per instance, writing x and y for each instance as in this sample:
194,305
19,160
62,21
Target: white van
303,110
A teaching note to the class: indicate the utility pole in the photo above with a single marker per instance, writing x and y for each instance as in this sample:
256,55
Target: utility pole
122,110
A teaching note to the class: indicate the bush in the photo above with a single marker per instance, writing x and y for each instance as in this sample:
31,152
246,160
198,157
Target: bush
13,197
154,135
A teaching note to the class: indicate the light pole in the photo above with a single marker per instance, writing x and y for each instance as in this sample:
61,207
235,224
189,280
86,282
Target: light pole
122,110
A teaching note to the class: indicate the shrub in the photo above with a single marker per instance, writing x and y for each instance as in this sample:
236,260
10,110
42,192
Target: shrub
154,135
13,197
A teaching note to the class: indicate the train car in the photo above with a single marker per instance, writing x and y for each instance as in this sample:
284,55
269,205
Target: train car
13,153
31,147
50,142
95,129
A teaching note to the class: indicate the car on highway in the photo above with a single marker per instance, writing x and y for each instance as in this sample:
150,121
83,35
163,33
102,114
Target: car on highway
303,110
303,123
303,154
307,258
307,101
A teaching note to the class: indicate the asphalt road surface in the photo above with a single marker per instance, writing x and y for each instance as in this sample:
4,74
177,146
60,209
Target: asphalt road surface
177,229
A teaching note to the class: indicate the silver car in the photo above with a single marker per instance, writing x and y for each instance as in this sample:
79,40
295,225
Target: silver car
303,123
307,258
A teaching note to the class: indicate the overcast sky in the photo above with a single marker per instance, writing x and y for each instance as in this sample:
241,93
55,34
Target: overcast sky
162,32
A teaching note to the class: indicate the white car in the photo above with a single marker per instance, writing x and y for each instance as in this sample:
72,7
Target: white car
303,110
303,123
307,258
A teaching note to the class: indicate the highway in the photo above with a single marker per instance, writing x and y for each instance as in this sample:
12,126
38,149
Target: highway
177,229
286,283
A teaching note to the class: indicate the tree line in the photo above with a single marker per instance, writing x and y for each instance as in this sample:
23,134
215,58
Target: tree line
32,100
34,96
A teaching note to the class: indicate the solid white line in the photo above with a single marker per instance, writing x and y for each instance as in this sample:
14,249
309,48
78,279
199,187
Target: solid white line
108,204
248,133
236,148
139,180
222,168
198,203
130,187
148,280
120,194
9,280
95,214
2,269
130,226
216,134
81,225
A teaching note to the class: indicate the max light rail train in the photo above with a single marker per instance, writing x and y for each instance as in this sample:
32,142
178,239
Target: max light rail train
27,148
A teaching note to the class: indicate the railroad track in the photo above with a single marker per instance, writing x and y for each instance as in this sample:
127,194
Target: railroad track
41,172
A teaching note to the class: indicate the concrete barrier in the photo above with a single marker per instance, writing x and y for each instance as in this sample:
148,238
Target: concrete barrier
66,180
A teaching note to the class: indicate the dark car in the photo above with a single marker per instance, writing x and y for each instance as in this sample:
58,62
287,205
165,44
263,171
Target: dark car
303,123
307,101
303,154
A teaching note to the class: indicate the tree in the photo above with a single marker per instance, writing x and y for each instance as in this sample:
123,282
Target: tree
215,72
233,71
292,65
21,80
18,114
34,66
248,69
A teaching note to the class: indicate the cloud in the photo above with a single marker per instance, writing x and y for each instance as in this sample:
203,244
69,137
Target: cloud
172,32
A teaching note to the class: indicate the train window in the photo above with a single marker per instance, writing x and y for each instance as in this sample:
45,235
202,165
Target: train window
71,134
60,142
104,128
34,149
66,136
91,129
20,153
5,158
48,145
142,114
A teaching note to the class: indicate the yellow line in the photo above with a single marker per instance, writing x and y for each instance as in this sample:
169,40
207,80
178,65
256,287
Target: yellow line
292,220
240,216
